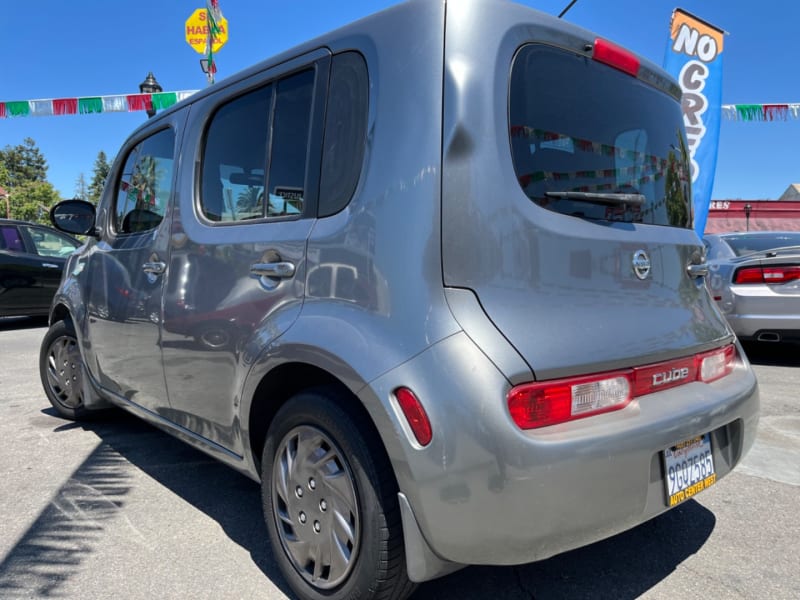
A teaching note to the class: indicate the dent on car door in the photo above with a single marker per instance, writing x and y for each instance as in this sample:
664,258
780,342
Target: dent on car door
124,274
237,272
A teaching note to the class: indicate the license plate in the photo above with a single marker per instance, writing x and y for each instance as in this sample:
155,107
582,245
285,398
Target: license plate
689,469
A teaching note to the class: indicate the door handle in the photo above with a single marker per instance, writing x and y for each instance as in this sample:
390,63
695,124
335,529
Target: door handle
700,270
50,266
156,268
280,269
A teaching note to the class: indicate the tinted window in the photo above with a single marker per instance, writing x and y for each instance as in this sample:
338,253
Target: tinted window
232,187
748,244
11,239
584,134
145,185
289,154
238,148
345,131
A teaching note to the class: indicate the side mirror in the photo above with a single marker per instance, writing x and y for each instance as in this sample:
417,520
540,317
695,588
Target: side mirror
74,216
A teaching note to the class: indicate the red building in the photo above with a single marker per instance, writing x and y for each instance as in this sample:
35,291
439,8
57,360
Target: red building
756,215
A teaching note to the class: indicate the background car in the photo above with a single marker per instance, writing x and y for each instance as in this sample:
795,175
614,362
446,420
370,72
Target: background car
32,258
755,279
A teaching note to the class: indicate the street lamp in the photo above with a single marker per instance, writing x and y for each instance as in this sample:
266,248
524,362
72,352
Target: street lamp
150,86
747,209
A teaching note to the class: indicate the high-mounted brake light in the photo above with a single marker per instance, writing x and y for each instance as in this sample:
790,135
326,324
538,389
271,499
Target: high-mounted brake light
775,275
415,415
544,403
612,55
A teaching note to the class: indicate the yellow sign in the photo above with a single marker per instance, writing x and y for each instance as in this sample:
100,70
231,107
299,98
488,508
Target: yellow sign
197,32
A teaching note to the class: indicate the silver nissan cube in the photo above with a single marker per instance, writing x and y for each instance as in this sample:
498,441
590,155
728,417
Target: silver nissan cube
431,280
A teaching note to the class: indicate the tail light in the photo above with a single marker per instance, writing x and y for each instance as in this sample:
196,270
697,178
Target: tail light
775,275
544,403
612,55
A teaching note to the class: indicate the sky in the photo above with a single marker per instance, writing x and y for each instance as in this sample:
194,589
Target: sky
57,49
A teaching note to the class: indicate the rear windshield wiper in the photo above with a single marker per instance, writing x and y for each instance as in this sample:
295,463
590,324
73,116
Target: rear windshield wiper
610,198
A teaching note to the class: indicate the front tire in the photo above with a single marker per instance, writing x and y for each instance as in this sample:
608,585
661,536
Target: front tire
61,371
330,503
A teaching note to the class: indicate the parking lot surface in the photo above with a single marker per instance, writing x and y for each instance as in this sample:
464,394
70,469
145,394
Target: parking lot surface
118,509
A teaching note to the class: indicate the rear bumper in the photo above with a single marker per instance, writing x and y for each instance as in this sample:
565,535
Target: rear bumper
760,308
484,492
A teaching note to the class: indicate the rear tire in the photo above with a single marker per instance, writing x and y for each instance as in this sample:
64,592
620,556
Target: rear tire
61,371
330,503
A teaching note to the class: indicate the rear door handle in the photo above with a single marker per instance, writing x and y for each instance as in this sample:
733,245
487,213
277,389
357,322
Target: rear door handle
50,266
280,269
156,268
700,270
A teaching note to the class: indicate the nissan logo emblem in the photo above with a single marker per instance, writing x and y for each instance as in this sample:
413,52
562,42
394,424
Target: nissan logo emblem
641,264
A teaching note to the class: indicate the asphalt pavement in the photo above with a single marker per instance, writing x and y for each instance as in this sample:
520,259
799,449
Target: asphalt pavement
118,509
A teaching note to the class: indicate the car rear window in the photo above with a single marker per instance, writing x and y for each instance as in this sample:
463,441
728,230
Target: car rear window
592,142
750,244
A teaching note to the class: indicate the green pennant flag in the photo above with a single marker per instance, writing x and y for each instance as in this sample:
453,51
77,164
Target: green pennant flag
164,100
90,105
750,112
18,109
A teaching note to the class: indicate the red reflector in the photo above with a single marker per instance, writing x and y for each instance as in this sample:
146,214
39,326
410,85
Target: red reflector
415,415
614,56
539,404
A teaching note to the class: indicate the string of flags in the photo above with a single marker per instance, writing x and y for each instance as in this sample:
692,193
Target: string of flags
91,104
761,112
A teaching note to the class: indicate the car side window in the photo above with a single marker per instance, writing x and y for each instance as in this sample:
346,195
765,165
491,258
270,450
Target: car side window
345,132
50,243
11,239
255,153
145,185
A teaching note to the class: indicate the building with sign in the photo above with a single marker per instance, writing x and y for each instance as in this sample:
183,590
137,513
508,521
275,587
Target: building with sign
782,214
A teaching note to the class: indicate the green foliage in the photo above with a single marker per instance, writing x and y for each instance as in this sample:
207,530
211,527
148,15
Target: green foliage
23,163
32,200
23,174
99,175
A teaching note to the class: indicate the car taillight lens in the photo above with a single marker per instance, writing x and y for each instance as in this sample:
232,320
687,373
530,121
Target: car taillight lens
716,364
614,56
766,275
549,402
544,403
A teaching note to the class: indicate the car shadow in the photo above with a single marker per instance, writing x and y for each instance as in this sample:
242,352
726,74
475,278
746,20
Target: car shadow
14,323
68,531
774,354
623,567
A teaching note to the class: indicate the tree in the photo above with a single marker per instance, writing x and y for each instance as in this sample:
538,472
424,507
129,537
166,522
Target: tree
99,176
24,163
23,173
32,200
80,188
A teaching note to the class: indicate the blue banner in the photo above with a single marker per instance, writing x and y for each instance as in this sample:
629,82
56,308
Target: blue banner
694,58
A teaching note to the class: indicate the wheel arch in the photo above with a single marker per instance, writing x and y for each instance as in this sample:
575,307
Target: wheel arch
284,381
60,312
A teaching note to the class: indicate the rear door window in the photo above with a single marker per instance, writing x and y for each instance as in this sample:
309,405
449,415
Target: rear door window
255,159
592,142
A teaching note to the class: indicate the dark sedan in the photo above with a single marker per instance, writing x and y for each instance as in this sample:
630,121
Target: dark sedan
755,279
31,261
